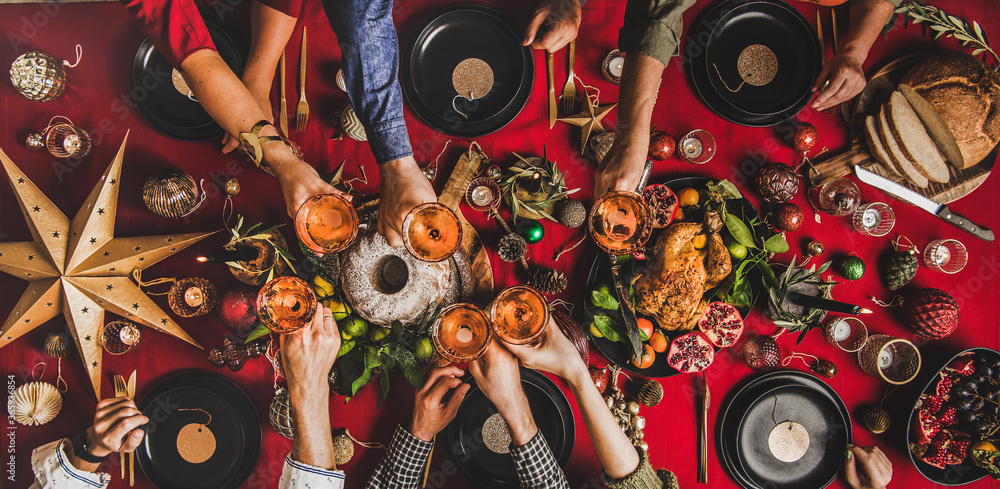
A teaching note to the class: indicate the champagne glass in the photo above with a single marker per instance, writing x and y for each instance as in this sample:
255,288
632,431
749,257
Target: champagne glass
461,333
432,232
519,315
326,223
619,222
286,305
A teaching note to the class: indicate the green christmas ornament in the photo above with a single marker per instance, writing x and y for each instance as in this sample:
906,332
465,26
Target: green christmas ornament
850,267
900,268
531,230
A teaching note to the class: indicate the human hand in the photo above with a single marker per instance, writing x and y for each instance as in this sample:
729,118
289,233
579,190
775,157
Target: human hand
558,21
840,80
299,181
498,375
115,428
875,468
404,187
622,167
554,354
261,92
430,413
308,354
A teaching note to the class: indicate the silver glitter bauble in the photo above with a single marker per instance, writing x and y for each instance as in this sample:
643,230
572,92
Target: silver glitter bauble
35,141
281,414
38,76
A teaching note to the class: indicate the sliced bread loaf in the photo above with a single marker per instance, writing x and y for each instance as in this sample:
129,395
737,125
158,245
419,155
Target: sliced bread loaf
913,139
936,127
876,147
896,156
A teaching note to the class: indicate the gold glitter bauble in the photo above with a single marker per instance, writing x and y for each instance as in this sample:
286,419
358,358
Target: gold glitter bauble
38,76
57,345
472,78
232,187
757,64
875,419
343,448
351,124
649,392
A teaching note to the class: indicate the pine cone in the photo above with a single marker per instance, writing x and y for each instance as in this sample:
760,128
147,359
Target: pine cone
572,213
777,182
900,269
547,281
512,247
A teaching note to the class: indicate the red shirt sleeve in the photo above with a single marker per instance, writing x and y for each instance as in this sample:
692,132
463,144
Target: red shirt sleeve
174,26
290,8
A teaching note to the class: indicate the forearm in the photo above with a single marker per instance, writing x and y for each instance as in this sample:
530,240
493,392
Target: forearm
614,450
866,19
640,83
517,414
313,442
271,30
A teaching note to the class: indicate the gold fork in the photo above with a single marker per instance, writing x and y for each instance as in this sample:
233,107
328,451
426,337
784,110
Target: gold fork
302,111
283,116
130,391
568,97
121,391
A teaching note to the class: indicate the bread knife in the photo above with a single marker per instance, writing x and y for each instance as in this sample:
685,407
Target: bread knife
940,210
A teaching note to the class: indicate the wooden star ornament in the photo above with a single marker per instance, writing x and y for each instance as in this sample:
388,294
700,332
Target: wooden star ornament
589,120
78,268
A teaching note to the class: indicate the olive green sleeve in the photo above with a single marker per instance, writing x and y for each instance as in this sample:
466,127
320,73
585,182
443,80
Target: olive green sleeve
653,27
644,477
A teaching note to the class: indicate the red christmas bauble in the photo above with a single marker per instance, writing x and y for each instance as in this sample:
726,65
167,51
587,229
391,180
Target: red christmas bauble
931,313
787,216
804,137
661,146
236,309
761,353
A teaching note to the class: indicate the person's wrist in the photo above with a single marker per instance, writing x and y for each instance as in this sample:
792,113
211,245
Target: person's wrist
421,432
578,375
96,448
396,167
309,390
855,52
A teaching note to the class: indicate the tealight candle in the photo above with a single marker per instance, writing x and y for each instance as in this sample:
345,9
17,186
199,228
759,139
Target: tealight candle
130,335
841,330
615,66
612,67
194,297
482,195
71,143
884,358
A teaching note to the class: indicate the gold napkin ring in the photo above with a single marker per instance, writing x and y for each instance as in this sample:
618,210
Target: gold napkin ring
252,141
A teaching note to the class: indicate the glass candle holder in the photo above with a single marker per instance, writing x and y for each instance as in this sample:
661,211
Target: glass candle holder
697,147
65,140
619,222
874,219
482,194
837,197
326,223
846,332
286,305
461,333
612,66
432,232
118,337
894,360
519,315
946,255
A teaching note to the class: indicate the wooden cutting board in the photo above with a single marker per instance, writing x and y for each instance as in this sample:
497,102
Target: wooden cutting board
876,93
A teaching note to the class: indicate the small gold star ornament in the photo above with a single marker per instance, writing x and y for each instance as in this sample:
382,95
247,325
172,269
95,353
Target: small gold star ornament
589,119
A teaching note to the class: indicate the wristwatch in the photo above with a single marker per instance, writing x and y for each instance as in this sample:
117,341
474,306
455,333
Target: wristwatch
81,450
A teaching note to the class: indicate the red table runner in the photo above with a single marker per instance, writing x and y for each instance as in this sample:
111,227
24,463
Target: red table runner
98,99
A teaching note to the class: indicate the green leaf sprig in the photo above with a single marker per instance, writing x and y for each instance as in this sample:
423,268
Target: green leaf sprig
944,24
549,171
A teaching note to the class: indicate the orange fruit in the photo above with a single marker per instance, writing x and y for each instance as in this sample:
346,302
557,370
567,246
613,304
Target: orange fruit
659,342
688,196
679,214
699,241
648,356
646,326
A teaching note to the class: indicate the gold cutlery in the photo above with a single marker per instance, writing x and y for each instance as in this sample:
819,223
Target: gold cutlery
703,449
552,91
819,35
568,97
121,390
302,111
283,116
130,390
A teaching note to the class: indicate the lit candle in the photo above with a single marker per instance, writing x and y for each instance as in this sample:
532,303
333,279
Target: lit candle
71,143
464,334
692,148
615,66
841,330
194,297
129,334
870,218
482,195
942,255
884,358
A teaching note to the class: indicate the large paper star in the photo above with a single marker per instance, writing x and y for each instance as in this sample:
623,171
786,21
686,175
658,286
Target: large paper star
80,269
589,120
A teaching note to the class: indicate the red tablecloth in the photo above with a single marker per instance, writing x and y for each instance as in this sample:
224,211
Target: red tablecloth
98,99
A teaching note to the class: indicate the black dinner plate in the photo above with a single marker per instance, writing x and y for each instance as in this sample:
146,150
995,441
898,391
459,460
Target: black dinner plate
479,465
234,423
725,32
450,37
163,107
952,475
747,420
619,353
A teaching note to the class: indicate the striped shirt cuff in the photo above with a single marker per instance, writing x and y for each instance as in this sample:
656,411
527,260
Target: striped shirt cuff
297,475
53,470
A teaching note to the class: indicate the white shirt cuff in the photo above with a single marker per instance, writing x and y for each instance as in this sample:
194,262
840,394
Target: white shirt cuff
53,470
296,475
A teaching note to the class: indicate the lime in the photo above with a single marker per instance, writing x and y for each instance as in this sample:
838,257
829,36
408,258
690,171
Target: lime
356,327
423,348
600,288
595,331
344,336
737,250
851,267
340,310
322,287
378,333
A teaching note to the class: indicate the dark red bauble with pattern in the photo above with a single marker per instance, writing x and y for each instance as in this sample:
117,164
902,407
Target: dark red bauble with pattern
787,217
237,310
931,313
804,137
661,145
777,182
761,353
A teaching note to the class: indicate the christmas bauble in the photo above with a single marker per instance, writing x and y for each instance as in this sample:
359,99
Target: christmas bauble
600,378
900,268
351,124
931,313
232,187
35,403
281,414
804,137
574,332
35,141
237,310
343,448
57,345
787,216
850,267
761,353
815,248
661,146
171,193
777,182
875,419
572,213
530,229
825,368
649,392
38,76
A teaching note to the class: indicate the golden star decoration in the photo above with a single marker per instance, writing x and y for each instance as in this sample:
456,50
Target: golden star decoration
80,269
589,120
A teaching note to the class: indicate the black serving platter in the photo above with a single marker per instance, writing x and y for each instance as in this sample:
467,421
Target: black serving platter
167,110
952,475
234,423
725,32
746,420
479,465
450,37
620,353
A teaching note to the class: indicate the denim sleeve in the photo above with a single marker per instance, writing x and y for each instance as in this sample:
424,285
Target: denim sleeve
370,58
653,27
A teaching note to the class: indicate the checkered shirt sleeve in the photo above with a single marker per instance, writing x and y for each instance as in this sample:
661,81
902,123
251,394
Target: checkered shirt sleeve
536,465
403,465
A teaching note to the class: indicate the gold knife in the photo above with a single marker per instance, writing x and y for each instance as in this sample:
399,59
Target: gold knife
283,116
552,91
131,456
